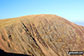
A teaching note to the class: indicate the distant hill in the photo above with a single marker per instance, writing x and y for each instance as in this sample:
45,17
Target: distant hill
41,35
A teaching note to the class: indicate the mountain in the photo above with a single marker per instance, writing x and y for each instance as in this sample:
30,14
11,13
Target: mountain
41,35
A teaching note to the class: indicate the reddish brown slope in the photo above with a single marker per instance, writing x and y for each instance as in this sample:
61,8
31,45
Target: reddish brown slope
41,35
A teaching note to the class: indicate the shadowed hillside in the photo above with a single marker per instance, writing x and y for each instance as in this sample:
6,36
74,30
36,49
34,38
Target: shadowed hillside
2,53
41,35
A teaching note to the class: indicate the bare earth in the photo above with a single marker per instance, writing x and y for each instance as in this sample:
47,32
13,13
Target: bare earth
41,35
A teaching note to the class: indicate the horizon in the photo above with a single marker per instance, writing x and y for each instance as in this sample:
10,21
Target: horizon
71,10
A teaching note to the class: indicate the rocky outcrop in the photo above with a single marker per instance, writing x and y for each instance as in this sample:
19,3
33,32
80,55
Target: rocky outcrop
41,35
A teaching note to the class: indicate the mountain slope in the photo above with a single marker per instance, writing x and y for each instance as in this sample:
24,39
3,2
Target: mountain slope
41,35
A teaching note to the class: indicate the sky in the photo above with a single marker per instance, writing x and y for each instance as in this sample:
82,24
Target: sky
72,10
